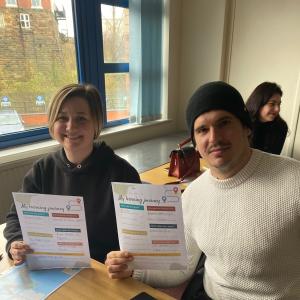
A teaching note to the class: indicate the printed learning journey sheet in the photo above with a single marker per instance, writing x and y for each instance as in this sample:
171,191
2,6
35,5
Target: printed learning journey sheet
55,228
150,225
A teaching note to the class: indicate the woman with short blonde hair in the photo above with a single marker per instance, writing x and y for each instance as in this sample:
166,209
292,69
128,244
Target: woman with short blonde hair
83,166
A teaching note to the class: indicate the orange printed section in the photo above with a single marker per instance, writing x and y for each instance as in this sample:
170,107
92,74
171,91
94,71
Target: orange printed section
69,243
161,208
165,242
40,234
60,215
58,253
134,232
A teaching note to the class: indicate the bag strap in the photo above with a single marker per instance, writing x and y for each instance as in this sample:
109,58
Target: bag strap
195,287
187,174
188,140
201,262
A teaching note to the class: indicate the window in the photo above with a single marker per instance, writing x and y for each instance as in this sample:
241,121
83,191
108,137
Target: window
24,21
2,23
36,3
113,44
11,3
130,60
115,63
34,64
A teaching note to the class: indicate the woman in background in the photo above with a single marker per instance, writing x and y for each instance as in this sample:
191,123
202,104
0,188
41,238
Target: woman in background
269,129
81,167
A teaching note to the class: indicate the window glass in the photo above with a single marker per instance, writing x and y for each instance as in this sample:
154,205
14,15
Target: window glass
117,96
24,20
115,29
34,63
39,59
11,2
115,38
36,3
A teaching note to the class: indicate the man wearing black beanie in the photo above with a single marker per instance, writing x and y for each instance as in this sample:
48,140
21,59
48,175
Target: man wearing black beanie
216,95
217,114
243,213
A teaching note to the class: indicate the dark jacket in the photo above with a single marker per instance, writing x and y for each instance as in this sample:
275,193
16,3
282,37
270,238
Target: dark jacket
54,174
269,136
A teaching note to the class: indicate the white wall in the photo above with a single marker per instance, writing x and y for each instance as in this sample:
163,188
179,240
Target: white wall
254,41
202,26
266,47
173,59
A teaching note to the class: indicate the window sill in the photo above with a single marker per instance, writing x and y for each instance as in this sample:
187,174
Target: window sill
30,151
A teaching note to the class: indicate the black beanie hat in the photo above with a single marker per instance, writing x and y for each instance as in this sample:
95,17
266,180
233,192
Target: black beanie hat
216,95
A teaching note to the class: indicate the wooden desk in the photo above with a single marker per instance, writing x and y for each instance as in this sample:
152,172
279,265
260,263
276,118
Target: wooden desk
159,175
94,283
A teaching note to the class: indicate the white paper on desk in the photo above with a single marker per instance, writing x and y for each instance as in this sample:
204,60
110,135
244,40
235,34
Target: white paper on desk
55,228
150,225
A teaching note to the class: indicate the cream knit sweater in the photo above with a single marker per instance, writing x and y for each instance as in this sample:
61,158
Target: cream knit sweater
249,228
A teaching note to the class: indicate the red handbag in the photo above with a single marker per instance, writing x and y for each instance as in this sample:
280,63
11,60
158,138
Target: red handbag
185,161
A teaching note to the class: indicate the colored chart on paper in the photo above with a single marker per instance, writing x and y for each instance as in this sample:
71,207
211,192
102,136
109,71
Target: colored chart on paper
150,225
55,228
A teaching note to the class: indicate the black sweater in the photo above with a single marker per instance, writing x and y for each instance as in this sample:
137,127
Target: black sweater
269,136
54,174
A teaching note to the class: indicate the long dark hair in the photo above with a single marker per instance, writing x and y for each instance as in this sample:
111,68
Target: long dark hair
260,96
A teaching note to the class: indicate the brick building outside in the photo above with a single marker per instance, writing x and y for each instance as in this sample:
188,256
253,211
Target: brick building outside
35,58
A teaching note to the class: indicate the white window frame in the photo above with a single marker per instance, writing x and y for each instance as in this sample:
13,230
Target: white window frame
25,21
11,3
36,5
2,22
